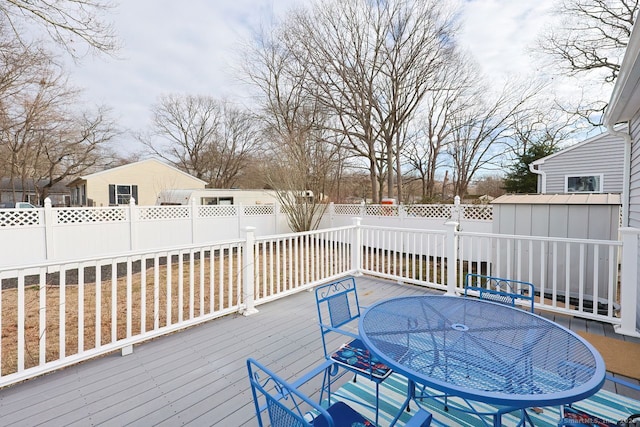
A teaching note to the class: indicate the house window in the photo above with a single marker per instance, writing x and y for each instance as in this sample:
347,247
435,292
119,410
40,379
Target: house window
583,183
216,200
120,194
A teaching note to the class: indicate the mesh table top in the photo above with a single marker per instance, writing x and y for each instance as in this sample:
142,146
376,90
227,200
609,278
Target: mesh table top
482,350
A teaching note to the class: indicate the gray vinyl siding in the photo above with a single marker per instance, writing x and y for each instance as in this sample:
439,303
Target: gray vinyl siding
634,192
634,181
603,154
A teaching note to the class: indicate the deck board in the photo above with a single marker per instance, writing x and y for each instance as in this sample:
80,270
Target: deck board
197,376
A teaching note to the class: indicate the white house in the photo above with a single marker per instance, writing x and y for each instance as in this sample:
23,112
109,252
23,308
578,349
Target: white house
591,166
624,108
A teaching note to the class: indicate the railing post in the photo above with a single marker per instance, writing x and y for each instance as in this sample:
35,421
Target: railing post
456,210
248,270
629,282
133,226
49,248
356,247
452,257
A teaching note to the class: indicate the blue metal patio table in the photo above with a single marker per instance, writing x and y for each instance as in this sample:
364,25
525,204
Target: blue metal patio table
482,351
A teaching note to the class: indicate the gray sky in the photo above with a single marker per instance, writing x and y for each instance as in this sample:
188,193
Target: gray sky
193,46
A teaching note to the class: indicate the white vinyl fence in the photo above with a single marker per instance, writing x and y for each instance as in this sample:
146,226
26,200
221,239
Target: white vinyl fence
59,234
57,314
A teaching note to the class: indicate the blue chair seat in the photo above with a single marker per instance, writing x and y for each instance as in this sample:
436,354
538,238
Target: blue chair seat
357,357
342,415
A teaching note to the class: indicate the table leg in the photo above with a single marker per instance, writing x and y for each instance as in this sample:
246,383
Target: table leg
411,388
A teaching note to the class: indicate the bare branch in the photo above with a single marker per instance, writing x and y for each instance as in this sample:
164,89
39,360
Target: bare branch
69,23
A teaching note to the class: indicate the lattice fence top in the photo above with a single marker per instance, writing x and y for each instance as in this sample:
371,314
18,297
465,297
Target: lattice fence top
429,211
19,217
163,212
217,210
483,213
384,210
88,215
258,210
351,210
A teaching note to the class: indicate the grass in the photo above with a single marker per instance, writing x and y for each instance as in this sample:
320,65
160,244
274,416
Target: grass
113,320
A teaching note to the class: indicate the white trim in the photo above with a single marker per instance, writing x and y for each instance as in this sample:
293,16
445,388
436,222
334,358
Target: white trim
585,174
130,193
541,185
623,105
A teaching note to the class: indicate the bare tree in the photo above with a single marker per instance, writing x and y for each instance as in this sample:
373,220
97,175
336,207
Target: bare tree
41,141
490,185
480,131
419,45
591,35
304,166
79,144
67,22
237,142
424,151
369,65
545,124
31,108
205,137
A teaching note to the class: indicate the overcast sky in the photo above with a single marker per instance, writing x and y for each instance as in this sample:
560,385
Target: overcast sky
192,47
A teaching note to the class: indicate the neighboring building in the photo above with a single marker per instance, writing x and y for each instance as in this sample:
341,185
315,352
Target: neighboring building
15,191
142,180
217,196
591,166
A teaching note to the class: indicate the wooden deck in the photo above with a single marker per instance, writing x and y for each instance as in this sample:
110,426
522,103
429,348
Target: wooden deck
198,376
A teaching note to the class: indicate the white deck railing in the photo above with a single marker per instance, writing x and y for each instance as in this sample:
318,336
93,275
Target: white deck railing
49,312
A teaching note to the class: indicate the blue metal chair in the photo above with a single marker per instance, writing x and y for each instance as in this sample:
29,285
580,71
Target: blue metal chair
504,291
286,406
337,304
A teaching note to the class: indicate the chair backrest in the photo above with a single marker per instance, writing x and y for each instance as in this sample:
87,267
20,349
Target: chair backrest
284,405
337,304
498,289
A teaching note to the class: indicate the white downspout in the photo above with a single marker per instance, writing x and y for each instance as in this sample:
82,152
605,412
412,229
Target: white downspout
626,171
543,177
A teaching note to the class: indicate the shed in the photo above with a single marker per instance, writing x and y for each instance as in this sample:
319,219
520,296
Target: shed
577,216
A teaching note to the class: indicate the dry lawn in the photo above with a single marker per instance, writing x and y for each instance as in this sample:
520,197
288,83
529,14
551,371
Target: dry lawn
112,327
